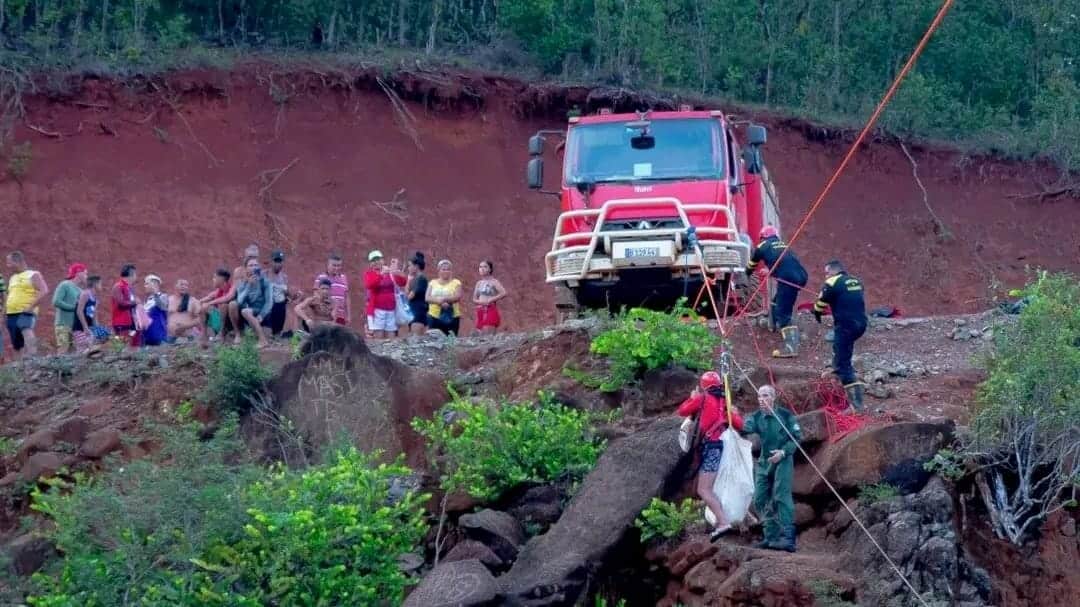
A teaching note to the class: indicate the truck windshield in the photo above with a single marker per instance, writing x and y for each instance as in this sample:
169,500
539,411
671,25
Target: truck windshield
685,149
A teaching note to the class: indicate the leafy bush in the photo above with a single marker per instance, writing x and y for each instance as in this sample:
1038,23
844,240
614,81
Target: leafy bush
878,492
827,594
236,375
667,519
8,446
642,340
1024,438
201,532
947,464
328,536
485,448
140,525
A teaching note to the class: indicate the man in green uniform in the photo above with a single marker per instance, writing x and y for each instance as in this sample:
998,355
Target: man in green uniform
772,474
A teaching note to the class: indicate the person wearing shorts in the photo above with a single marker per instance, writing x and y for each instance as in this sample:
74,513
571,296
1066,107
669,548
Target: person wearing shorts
339,291
486,294
123,305
444,297
25,291
215,305
708,402
66,301
382,282
318,309
85,331
254,298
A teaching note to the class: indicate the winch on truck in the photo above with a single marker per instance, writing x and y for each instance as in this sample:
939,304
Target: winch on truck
652,203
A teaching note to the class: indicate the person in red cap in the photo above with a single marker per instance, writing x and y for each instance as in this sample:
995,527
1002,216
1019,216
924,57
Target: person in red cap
66,301
708,401
790,276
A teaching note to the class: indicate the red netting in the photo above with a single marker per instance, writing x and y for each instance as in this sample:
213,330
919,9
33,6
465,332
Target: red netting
834,402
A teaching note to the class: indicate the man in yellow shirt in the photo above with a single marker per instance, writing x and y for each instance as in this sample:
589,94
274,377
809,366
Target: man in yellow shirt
26,290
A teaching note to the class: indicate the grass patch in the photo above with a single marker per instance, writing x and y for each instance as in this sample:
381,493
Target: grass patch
878,492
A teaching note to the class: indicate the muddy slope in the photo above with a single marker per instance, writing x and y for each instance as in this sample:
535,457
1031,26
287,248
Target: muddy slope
180,173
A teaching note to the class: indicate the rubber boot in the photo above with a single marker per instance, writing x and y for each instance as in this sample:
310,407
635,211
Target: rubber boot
854,392
787,541
791,343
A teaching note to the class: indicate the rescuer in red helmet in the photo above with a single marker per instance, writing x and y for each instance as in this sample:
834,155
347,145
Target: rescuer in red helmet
790,276
708,401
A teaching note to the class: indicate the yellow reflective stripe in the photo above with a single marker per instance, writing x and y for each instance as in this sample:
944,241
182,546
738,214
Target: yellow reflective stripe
820,305
831,281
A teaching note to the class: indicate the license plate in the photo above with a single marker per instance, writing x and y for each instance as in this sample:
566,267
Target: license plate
642,252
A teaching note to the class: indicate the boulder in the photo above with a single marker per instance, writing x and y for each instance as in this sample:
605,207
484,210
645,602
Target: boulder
814,426
738,575
28,553
100,443
41,464
917,532
892,453
73,429
96,407
455,584
472,549
497,530
662,391
340,387
538,506
42,440
552,568
804,514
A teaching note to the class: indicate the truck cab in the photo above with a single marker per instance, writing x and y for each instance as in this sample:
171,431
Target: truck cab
652,204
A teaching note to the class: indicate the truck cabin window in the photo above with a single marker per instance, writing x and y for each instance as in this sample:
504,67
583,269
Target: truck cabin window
684,149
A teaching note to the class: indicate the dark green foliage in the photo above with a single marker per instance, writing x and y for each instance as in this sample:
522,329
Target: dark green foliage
236,376
1003,75
485,448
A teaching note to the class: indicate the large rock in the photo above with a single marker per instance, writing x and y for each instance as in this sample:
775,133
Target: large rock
73,429
101,443
28,553
661,392
539,506
497,530
42,440
729,574
41,464
472,549
340,387
814,426
457,584
893,453
553,568
917,532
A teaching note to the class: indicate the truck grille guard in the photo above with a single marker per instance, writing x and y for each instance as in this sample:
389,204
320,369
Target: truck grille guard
723,251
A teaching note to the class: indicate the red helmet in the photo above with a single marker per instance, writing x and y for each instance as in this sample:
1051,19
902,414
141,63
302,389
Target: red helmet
768,231
710,379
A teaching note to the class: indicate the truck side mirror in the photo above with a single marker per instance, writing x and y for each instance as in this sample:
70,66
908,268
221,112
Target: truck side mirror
755,135
534,171
751,156
536,145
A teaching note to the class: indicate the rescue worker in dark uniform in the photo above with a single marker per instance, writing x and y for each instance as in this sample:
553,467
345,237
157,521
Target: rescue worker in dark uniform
791,277
843,294
774,468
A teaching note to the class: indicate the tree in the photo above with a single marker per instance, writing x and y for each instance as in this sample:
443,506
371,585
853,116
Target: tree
1025,437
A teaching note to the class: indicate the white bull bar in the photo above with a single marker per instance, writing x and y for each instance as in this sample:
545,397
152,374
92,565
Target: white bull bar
724,252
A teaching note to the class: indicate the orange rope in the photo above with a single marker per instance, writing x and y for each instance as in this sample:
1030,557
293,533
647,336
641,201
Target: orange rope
945,6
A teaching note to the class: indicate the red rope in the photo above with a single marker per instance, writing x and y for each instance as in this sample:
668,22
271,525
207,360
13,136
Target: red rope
858,142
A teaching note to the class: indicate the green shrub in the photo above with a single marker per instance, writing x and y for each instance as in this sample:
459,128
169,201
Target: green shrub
140,525
947,464
1024,437
667,519
236,375
8,446
878,492
827,594
485,448
327,536
194,530
642,340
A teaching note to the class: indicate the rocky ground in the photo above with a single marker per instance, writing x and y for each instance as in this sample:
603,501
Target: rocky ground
539,546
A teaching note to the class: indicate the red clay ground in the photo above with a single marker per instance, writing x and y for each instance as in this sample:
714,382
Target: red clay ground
122,177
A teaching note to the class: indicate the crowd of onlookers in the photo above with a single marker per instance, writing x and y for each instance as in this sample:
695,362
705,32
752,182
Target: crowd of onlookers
400,300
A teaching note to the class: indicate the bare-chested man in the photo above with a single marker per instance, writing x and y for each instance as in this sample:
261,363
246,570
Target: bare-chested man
185,312
317,309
